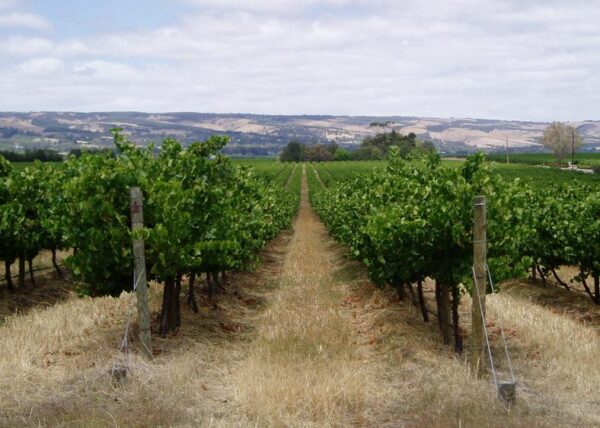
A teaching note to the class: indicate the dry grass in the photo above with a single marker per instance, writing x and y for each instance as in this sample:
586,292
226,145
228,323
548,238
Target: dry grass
556,358
55,362
305,368
49,290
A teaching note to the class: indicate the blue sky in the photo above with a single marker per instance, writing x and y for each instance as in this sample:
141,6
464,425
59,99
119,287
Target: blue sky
83,18
508,59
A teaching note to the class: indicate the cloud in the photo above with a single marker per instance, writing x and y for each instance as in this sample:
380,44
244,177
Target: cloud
18,46
5,4
266,5
24,20
41,66
533,60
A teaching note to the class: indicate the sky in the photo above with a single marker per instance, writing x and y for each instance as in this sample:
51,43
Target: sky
498,59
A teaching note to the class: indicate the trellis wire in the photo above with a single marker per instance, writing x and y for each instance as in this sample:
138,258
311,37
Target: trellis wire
124,347
3,281
512,374
487,339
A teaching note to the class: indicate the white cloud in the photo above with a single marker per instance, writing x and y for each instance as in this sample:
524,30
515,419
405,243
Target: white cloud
42,66
18,46
24,20
464,58
267,5
5,4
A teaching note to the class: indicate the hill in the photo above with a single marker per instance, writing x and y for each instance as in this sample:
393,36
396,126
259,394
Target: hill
266,134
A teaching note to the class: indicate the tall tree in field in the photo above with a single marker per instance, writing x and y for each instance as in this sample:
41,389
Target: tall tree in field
294,152
561,139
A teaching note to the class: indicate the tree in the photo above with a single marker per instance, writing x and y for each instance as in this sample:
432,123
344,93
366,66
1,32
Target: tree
561,139
294,152
378,146
342,155
332,147
318,153
367,152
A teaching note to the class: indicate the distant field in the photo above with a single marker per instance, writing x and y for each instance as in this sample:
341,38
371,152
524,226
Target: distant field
269,168
332,172
538,175
22,165
581,159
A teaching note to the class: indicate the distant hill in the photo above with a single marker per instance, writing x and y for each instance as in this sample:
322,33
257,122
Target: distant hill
266,134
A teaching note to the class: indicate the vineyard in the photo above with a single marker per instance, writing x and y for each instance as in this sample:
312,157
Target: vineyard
203,216
324,323
333,172
586,160
412,221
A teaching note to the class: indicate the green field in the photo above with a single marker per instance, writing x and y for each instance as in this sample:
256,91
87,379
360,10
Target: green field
18,166
537,175
332,172
581,159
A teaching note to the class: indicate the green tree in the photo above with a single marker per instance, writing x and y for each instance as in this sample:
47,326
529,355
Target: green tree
384,141
294,152
342,155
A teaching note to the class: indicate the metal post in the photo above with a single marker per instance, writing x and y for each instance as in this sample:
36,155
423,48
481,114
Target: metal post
477,354
139,278
507,149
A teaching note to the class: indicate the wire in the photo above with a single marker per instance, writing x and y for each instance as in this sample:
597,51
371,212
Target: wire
487,340
512,374
124,347
27,271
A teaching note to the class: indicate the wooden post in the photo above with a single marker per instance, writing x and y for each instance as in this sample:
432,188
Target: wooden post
139,277
477,354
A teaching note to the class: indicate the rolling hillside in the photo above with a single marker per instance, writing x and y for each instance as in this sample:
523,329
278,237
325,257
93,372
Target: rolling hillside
266,134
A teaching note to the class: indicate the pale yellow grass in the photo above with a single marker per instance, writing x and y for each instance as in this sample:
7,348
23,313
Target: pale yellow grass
304,367
556,358
55,368
55,362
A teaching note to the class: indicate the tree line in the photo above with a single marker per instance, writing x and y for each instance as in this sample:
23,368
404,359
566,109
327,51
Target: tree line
376,147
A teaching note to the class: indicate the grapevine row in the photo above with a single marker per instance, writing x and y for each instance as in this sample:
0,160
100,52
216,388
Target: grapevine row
413,221
203,214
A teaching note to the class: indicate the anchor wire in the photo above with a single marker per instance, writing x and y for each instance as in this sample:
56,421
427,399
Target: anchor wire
124,347
512,374
485,332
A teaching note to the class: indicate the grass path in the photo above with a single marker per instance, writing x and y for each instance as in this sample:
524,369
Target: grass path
305,366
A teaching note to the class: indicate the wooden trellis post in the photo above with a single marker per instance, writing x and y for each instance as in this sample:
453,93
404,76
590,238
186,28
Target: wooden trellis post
477,355
139,277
